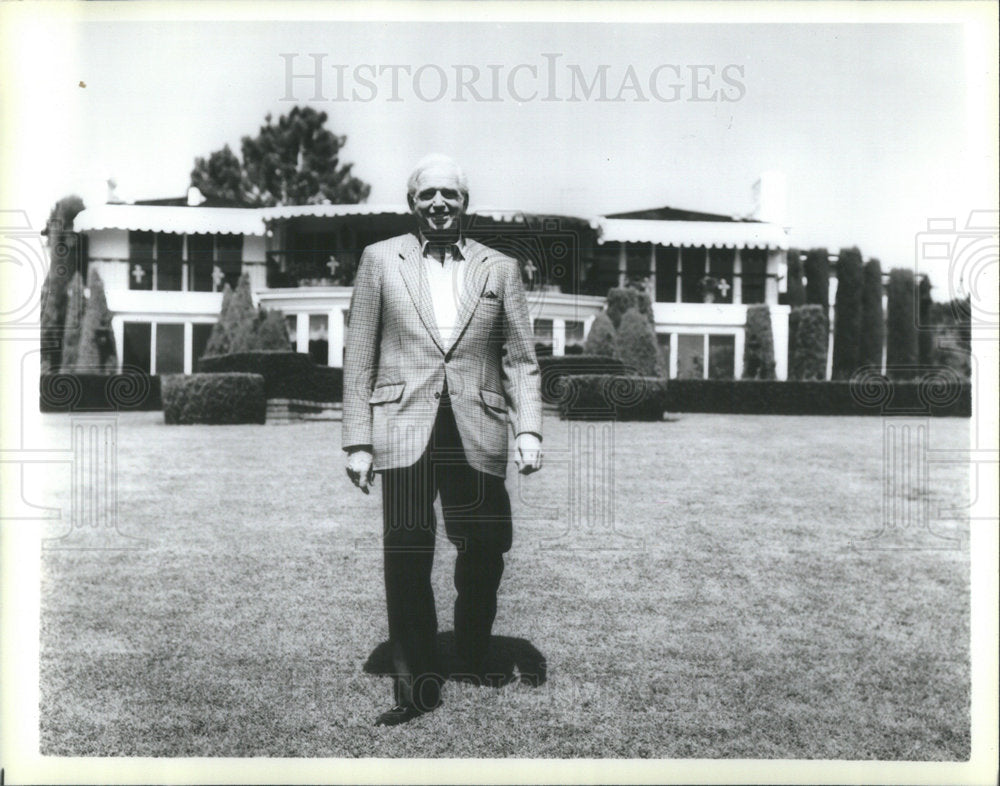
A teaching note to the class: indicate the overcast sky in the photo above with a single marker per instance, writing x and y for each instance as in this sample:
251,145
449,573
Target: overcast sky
870,124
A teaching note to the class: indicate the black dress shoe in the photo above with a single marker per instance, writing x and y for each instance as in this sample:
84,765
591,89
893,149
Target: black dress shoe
401,713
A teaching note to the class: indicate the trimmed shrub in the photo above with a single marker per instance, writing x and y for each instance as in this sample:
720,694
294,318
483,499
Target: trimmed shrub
621,300
817,268
213,399
75,305
901,325
65,258
866,395
807,343
613,397
272,331
758,348
236,322
795,290
636,344
847,314
953,332
286,374
96,353
872,337
555,370
129,391
601,338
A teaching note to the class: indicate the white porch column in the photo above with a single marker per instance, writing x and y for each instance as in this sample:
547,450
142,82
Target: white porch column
335,338
188,348
673,355
771,282
741,335
779,329
118,329
152,348
622,277
652,272
302,332
558,336
738,280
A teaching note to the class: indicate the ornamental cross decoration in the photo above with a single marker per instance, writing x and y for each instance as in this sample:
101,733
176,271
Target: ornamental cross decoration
530,270
138,274
334,265
723,287
217,276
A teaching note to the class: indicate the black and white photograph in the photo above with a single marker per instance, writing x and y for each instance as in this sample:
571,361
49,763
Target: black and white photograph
557,392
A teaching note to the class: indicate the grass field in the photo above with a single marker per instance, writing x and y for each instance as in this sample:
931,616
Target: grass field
724,612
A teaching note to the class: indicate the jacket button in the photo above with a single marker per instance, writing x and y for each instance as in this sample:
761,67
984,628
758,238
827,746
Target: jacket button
437,394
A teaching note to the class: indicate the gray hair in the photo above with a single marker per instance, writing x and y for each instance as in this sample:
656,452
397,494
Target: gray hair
432,160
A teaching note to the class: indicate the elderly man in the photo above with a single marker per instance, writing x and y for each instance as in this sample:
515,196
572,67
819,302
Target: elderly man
439,357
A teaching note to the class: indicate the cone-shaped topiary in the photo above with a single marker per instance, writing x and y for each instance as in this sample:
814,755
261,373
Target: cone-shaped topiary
872,337
636,344
97,353
218,340
75,305
272,332
241,318
847,319
601,338
621,299
758,348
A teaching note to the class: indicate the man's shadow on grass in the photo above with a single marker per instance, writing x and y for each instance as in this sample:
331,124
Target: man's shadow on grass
510,659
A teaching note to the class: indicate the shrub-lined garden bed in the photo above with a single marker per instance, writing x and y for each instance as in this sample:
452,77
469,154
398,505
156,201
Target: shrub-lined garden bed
290,375
555,370
612,397
129,391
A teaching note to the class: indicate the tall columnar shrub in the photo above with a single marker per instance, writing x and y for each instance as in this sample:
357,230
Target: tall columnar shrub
758,348
807,342
97,353
847,319
901,325
636,343
872,336
795,290
925,331
64,261
75,305
817,267
622,299
601,338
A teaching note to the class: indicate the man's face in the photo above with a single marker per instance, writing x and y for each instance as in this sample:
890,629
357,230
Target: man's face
437,201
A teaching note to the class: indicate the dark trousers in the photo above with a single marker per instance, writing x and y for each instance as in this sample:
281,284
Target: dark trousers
477,521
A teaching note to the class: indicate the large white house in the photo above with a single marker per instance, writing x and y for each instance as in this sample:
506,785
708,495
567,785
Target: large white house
164,267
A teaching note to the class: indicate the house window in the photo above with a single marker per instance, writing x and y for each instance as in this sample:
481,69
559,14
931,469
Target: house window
543,329
721,356
137,342
169,348
574,331
720,267
663,349
157,261
229,257
319,343
666,274
754,274
201,261
201,332
292,324
692,272
169,261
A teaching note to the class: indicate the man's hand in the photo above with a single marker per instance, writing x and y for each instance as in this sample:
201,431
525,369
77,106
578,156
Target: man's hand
529,453
359,469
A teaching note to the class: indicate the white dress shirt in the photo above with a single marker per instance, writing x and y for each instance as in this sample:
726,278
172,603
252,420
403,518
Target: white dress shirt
446,280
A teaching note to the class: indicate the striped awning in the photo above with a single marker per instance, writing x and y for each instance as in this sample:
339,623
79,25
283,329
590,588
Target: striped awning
173,219
708,234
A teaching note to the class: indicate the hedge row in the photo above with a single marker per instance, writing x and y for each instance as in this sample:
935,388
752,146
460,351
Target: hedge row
555,370
613,397
936,395
125,392
286,374
214,398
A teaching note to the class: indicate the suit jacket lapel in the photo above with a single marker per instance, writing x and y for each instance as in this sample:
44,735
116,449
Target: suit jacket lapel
412,271
475,280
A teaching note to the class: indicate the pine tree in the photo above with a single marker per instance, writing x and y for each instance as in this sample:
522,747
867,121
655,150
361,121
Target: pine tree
817,267
847,321
807,341
636,344
758,348
97,353
925,332
75,305
601,338
872,336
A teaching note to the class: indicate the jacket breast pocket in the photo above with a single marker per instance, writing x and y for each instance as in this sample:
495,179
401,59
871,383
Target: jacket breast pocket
385,393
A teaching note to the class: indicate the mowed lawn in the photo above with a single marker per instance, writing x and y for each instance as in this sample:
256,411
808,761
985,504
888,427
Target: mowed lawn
738,595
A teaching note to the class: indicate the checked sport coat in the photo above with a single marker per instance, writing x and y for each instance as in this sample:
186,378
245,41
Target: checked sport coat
396,362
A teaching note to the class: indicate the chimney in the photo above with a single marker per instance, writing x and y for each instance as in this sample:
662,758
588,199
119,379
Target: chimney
769,198
113,198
